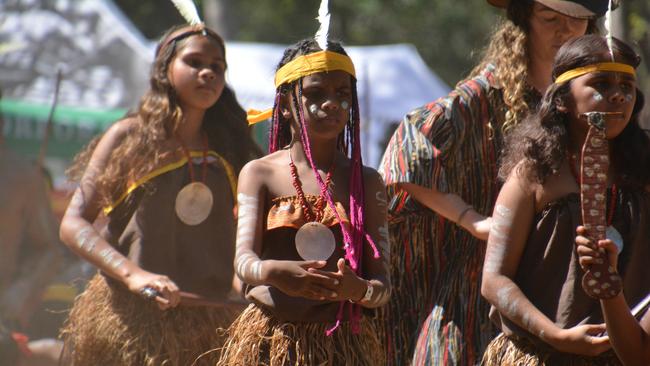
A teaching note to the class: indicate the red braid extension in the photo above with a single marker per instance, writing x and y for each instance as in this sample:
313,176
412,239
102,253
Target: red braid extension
274,131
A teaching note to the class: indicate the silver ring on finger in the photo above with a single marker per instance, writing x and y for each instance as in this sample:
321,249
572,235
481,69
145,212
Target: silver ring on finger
149,293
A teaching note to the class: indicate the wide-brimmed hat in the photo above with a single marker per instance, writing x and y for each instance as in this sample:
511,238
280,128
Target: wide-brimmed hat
586,9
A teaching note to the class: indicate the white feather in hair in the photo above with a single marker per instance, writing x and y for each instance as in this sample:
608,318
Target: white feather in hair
188,11
324,30
608,30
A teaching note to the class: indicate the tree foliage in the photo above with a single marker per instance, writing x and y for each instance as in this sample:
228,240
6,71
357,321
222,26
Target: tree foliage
445,32
449,34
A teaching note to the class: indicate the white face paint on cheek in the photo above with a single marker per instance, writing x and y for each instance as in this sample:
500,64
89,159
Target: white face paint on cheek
313,109
629,98
597,96
345,104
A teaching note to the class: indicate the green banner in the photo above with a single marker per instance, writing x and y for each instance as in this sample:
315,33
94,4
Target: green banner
25,124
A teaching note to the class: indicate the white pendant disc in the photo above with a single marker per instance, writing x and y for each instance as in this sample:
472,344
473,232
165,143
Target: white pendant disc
194,203
315,242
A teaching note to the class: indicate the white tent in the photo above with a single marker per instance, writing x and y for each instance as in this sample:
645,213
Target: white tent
392,80
106,64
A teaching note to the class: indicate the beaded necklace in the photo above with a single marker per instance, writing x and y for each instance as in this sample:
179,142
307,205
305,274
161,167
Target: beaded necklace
319,207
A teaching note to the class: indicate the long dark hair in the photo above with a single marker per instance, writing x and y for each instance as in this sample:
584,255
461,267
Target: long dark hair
157,118
542,140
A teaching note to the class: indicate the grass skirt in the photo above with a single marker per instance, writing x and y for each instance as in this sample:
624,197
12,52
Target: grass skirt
108,325
504,350
257,338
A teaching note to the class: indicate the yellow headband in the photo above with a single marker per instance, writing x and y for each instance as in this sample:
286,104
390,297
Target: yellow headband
321,61
604,66
312,63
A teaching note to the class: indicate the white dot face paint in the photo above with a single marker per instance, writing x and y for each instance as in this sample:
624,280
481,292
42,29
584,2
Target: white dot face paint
313,109
628,98
597,96
345,104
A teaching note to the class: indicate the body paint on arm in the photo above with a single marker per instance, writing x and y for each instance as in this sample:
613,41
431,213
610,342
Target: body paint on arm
111,257
248,265
498,239
381,292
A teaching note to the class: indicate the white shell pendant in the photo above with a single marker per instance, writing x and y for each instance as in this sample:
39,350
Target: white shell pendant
616,237
315,242
194,203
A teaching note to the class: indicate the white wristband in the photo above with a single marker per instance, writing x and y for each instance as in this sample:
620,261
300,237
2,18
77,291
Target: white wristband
367,296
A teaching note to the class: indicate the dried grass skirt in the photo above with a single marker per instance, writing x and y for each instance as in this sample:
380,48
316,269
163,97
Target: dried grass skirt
258,338
509,351
108,325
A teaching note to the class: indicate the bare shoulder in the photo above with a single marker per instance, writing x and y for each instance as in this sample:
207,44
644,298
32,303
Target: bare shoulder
110,141
262,166
520,179
372,179
556,186
118,131
260,172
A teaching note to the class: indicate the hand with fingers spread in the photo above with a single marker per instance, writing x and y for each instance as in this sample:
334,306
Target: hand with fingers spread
582,339
351,286
168,293
295,278
588,255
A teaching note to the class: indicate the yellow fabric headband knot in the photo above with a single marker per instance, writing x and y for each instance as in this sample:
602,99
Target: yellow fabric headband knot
604,66
321,61
313,63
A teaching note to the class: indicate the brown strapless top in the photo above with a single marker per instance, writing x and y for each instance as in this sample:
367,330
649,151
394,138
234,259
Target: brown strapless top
284,218
144,226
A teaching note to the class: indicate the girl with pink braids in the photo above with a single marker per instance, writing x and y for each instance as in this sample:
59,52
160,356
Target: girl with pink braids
312,240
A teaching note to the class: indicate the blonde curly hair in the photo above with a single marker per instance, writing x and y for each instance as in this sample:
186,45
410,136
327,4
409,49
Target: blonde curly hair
508,53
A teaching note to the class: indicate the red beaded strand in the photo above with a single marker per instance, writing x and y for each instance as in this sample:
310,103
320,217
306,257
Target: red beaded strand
204,163
319,206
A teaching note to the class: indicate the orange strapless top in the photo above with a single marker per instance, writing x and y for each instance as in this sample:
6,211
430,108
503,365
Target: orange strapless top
286,211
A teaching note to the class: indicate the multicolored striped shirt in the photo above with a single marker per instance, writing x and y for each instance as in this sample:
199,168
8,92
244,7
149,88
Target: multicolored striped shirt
452,144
